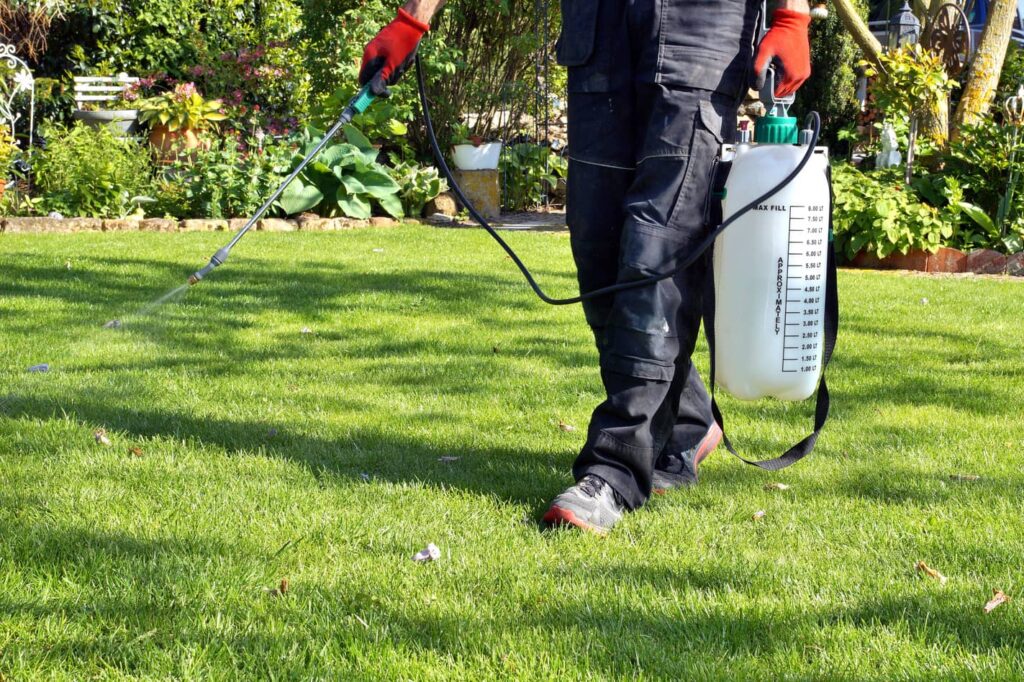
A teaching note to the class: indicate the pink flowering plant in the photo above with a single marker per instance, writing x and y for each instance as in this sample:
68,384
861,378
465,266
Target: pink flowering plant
182,108
260,85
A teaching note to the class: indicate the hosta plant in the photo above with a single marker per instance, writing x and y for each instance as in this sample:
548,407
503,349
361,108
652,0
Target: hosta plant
344,180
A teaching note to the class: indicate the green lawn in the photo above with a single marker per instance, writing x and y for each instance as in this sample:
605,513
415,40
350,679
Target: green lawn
269,454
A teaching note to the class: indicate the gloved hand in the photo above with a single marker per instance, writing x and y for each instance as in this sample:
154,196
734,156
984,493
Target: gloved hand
388,55
787,43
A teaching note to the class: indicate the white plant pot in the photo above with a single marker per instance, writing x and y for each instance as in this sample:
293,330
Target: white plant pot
470,157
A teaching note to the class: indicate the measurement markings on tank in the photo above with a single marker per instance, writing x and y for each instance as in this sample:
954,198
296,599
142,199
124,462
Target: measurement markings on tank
792,346
806,244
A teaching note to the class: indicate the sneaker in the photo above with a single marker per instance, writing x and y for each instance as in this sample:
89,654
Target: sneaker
680,469
591,504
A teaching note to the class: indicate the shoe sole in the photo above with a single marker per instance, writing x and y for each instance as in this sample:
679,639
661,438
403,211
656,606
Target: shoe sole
558,517
707,445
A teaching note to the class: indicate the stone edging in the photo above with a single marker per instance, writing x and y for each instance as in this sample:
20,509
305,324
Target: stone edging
69,225
946,260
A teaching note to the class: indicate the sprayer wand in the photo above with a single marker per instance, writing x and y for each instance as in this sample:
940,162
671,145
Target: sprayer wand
357,105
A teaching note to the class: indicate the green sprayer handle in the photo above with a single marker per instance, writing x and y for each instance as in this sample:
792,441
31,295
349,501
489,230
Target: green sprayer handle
363,99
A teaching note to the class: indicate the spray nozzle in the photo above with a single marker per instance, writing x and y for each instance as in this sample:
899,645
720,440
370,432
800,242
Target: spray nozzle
217,260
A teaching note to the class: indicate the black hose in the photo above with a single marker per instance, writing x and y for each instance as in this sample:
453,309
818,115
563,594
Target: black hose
815,126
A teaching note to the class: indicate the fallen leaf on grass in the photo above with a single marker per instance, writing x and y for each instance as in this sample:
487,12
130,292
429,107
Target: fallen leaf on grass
448,459
758,515
998,598
113,324
964,477
101,437
568,428
930,572
776,486
136,451
280,590
43,367
429,553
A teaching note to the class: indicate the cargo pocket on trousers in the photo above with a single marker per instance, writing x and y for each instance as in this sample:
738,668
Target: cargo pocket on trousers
579,27
688,212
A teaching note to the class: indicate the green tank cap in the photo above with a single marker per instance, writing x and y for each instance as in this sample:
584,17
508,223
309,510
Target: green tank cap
775,130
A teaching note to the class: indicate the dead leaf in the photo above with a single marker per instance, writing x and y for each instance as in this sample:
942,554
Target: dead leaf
136,451
776,486
447,459
569,428
964,477
101,437
930,572
998,597
758,515
113,324
283,587
429,553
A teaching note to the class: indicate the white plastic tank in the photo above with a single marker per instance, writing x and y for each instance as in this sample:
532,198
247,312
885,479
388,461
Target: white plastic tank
769,269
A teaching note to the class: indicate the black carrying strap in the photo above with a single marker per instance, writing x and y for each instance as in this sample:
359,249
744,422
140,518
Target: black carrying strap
831,332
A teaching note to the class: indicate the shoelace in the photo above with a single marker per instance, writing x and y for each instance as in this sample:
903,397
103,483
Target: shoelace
592,485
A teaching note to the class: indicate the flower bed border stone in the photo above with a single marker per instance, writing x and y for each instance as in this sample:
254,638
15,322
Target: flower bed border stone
945,260
20,225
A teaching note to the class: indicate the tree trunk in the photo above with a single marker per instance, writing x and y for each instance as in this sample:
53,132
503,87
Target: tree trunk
935,124
987,64
853,22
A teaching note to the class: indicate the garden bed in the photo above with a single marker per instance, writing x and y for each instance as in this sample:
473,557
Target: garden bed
63,225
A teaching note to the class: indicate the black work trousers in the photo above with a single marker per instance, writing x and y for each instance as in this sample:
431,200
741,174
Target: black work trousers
653,91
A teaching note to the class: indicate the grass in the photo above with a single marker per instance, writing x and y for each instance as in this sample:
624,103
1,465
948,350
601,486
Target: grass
267,453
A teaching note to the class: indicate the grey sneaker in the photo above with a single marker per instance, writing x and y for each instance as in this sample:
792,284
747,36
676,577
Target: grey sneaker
680,469
591,504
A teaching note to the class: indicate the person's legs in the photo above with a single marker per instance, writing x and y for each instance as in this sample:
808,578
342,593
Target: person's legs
642,145
650,330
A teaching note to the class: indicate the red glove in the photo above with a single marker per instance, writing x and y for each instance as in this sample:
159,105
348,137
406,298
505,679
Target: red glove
787,42
388,55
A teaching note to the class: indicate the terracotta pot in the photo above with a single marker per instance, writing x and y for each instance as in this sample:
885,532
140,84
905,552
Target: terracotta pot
171,144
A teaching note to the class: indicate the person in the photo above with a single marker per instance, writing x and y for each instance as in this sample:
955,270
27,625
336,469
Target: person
654,89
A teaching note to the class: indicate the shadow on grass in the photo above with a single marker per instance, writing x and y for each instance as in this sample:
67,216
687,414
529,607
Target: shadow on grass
200,337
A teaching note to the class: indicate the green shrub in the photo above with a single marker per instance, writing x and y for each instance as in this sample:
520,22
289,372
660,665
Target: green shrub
529,173
231,179
93,173
874,212
831,89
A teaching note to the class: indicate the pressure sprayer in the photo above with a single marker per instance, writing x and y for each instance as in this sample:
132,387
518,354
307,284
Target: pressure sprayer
771,310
